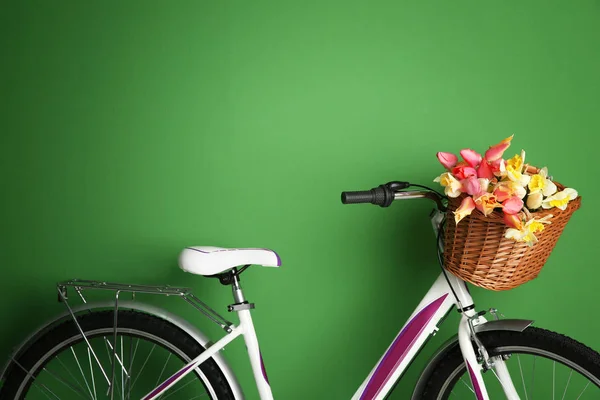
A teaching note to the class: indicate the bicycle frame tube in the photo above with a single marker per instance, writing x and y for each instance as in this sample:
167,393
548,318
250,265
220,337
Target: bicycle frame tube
447,291
245,328
423,322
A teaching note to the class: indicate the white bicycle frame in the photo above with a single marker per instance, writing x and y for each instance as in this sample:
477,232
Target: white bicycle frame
445,293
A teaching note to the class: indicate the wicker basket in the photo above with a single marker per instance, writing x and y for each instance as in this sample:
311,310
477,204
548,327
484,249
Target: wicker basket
477,251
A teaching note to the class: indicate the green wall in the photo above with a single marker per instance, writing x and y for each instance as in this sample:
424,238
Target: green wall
130,129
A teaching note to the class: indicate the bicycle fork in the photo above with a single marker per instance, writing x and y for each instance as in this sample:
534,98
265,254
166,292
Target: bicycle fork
474,368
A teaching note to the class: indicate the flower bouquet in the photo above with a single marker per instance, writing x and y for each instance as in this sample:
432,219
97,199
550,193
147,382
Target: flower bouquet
505,216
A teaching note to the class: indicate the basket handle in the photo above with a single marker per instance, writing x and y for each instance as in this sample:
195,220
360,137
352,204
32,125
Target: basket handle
531,170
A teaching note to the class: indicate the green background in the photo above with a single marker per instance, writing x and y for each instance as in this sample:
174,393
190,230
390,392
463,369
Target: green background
130,129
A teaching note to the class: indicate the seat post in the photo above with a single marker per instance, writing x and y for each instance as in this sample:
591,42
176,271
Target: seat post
236,288
233,278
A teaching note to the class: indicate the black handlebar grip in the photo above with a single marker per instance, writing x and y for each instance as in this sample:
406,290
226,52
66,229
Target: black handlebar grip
364,196
381,196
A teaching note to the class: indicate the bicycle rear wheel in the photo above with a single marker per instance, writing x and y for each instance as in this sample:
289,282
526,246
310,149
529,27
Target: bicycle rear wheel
542,365
59,365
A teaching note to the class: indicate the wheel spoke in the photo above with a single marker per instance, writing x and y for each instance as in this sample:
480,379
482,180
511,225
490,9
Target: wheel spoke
522,378
163,370
46,387
92,373
143,365
81,370
586,386
40,388
110,360
178,389
497,377
502,384
553,378
532,378
566,387
129,379
109,345
34,379
469,387
62,380
122,378
57,358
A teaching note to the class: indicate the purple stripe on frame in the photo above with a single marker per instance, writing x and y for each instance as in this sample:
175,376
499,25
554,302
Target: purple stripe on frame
399,348
198,250
262,367
278,258
168,382
475,383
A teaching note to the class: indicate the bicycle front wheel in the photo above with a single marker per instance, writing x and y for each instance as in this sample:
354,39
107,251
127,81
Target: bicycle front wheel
60,364
542,365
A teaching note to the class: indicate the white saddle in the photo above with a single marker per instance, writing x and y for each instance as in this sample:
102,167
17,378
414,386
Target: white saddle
208,260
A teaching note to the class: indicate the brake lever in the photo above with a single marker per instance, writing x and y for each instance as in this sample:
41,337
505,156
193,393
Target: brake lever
397,185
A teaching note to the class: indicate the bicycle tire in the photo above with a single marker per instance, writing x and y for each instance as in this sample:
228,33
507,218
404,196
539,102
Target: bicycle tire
532,341
133,322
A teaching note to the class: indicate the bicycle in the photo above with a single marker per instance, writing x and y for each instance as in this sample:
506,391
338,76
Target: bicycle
91,349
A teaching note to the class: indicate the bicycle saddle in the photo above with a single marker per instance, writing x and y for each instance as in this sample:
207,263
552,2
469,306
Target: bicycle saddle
208,260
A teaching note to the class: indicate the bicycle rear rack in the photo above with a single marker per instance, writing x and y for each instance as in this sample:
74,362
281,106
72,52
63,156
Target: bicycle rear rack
80,285
85,285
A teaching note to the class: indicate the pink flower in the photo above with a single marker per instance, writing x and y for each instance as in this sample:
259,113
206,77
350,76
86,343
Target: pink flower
466,208
503,192
495,152
471,157
498,167
513,205
471,185
485,171
513,221
463,172
448,160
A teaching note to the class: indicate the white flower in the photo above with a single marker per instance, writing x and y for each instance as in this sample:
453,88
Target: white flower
540,183
527,233
534,200
560,199
452,187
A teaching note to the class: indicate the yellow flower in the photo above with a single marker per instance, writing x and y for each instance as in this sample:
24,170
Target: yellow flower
535,226
540,183
452,187
536,183
527,233
514,169
515,163
560,199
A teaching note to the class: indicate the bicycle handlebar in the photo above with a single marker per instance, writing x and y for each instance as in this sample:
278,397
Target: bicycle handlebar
384,195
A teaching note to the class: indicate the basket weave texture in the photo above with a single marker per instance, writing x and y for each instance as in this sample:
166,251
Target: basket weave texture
477,251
